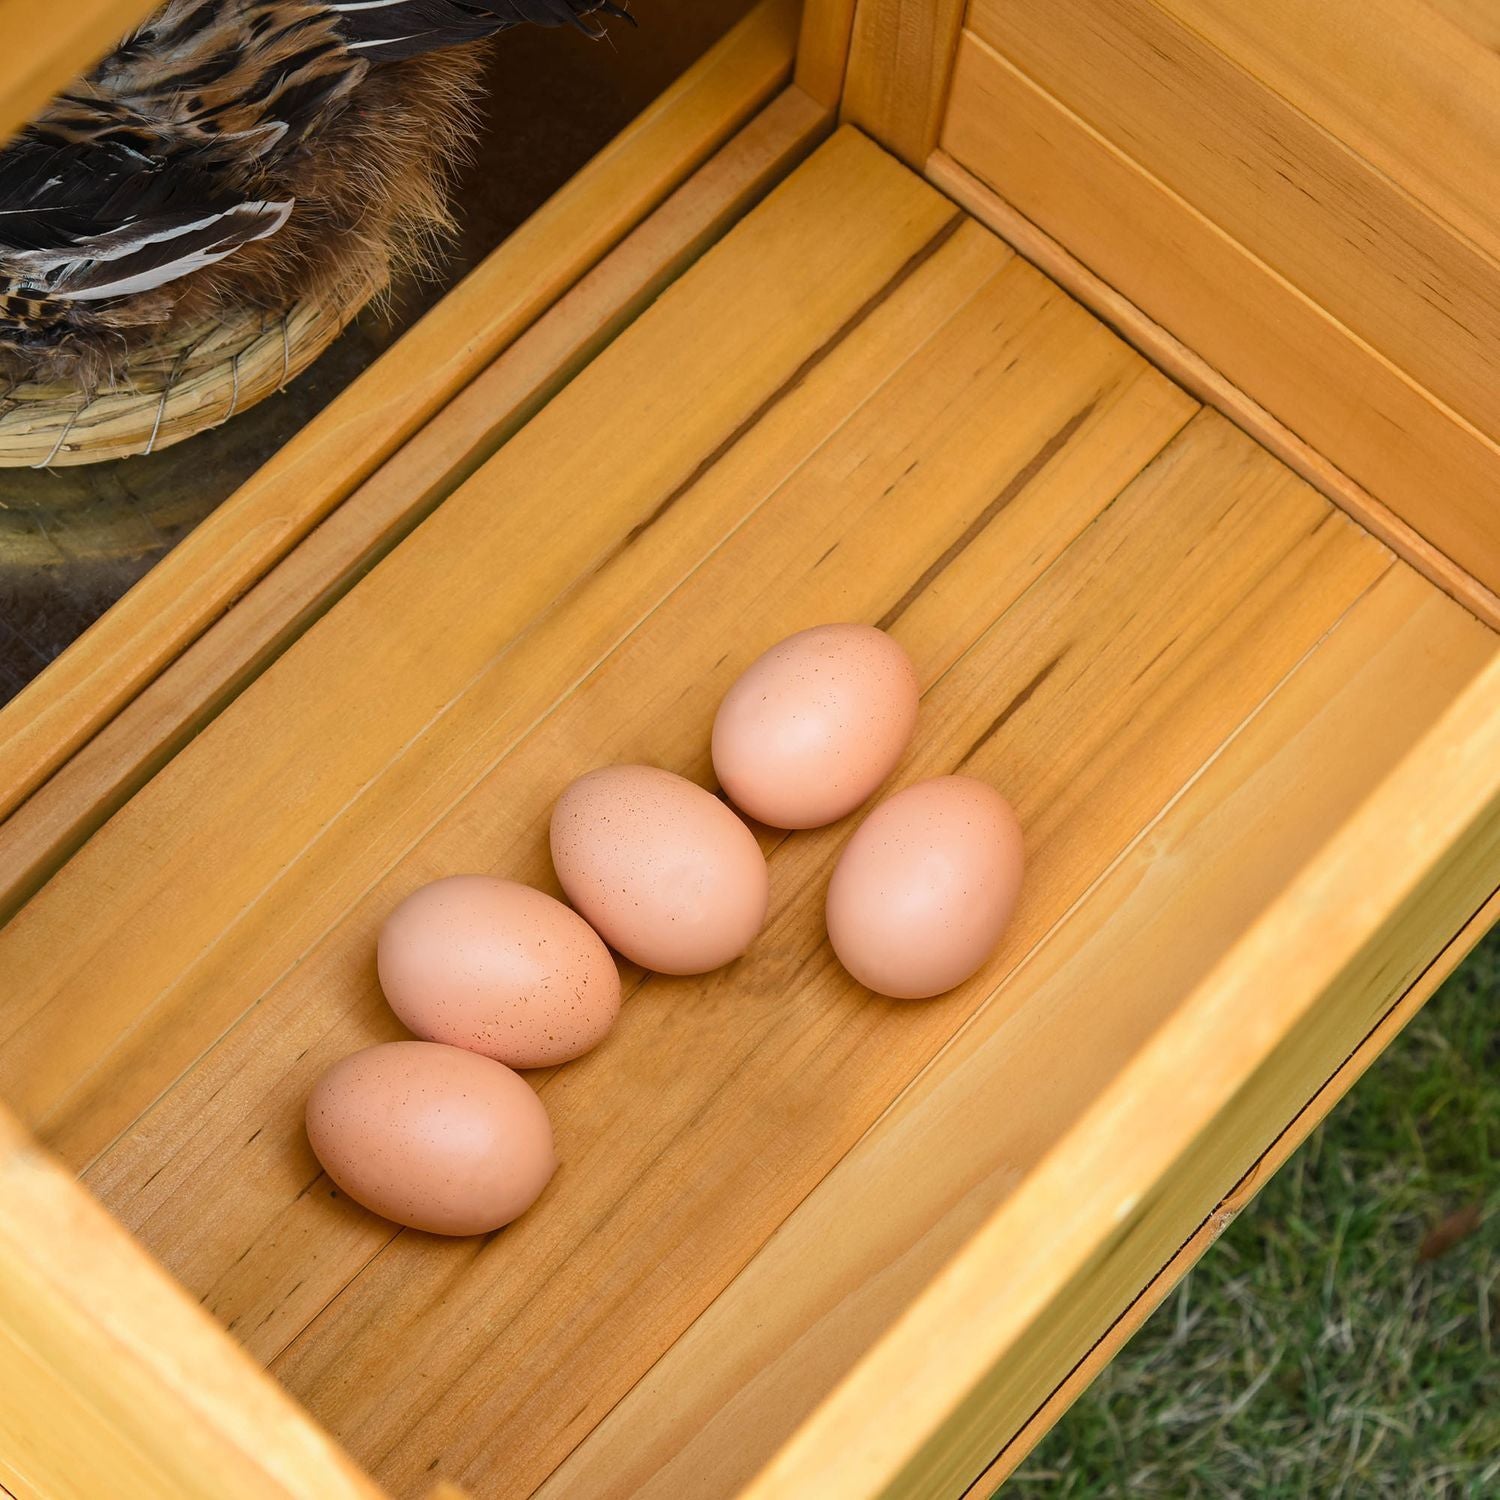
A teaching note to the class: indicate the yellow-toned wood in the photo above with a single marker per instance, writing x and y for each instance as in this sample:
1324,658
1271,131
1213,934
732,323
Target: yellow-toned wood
1146,630
823,49
1239,1196
1392,80
1436,472
1479,19
1096,965
245,537
574,491
900,59
1385,266
89,788
1361,918
973,463
1210,385
113,1383
48,46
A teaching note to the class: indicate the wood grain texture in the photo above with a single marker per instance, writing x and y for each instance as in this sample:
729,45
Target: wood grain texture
50,46
433,616
1190,370
1435,471
176,705
1392,80
1361,918
1141,626
1291,193
1477,19
637,702
823,49
1093,971
112,1382
1224,1212
900,58
247,535
901,418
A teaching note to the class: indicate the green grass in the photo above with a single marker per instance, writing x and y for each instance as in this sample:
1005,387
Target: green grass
1311,1352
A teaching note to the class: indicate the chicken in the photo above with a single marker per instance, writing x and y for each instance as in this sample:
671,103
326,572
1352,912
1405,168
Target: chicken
234,152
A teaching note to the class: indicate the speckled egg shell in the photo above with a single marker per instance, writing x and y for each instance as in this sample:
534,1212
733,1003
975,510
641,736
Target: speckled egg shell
432,1137
812,727
923,891
664,872
498,968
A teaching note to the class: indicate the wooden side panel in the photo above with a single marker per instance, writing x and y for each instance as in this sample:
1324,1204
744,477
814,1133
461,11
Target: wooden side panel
960,1368
113,1383
1253,186
1393,80
1437,474
1204,124
213,566
1224,1212
47,46
900,59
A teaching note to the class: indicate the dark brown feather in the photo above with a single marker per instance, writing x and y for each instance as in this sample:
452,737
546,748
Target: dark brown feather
236,153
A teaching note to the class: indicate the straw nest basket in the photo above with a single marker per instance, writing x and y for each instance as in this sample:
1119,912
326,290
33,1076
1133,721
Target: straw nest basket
195,380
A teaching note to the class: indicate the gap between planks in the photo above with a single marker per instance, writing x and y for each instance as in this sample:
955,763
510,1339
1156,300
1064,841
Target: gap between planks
1195,374
82,794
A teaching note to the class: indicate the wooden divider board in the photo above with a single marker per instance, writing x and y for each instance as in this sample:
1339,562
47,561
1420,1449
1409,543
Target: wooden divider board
113,1384
857,405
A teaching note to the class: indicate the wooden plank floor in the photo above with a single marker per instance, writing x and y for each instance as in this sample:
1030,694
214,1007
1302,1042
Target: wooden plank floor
1163,646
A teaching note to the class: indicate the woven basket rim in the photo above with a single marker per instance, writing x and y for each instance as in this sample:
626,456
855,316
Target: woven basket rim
171,391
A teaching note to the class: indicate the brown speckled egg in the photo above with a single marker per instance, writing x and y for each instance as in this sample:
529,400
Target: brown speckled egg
924,889
432,1137
812,727
665,873
498,968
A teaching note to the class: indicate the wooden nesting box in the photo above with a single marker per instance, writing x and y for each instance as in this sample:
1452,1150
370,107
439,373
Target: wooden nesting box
1134,363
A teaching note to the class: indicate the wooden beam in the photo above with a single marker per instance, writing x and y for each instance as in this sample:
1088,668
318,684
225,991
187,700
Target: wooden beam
823,49
900,61
1081,1376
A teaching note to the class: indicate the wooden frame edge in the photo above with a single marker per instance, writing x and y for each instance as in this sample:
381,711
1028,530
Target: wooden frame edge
916,1414
1224,1213
114,1382
277,507
1191,371
823,49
